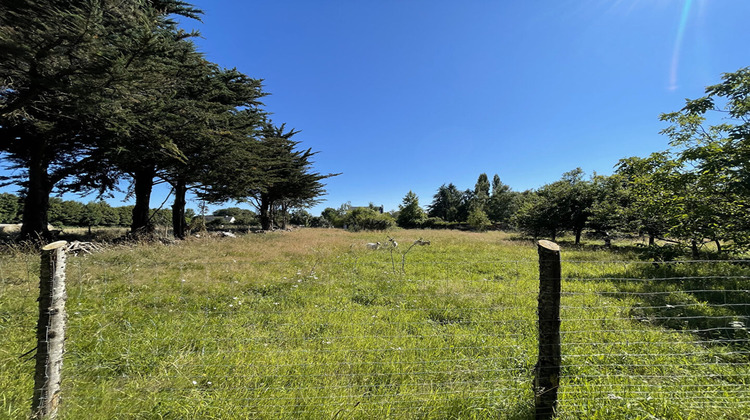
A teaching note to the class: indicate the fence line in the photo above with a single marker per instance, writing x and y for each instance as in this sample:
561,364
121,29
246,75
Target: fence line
447,338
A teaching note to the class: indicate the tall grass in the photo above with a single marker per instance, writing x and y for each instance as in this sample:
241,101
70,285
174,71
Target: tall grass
312,324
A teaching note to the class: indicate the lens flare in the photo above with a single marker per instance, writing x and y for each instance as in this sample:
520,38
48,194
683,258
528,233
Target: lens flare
678,44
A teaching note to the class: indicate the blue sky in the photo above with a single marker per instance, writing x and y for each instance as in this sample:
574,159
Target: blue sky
403,95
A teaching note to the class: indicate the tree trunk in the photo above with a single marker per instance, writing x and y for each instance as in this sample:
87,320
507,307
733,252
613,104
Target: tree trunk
694,249
179,225
266,221
36,200
284,215
651,239
718,246
578,236
144,182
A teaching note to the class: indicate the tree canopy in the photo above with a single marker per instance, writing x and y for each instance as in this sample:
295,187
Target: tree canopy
95,92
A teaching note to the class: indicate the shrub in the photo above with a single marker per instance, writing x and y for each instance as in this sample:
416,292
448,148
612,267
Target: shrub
364,218
478,219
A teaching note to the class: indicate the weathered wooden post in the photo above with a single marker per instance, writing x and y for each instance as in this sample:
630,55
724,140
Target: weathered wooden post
547,370
50,333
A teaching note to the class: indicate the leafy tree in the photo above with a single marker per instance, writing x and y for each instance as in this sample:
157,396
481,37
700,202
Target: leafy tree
446,203
65,212
501,203
10,208
536,215
301,217
99,213
655,193
92,215
125,214
562,205
333,217
609,212
573,200
410,213
467,199
478,219
481,196
367,218
208,117
670,200
712,136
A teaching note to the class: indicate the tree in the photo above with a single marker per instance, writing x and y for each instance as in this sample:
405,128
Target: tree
65,212
270,173
562,205
574,198
367,218
478,219
536,215
712,138
410,213
654,193
446,203
10,208
610,208
208,114
481,196
65,74
332,217
500,206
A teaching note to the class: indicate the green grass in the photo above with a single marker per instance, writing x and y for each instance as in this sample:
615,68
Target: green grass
311,324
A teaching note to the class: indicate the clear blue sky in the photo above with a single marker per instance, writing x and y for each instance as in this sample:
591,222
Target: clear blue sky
403,95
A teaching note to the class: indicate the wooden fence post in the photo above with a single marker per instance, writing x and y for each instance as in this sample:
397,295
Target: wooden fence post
50,334
547,370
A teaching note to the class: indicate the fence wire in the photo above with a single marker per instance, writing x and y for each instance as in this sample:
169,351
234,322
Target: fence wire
364,339
275,340
668,340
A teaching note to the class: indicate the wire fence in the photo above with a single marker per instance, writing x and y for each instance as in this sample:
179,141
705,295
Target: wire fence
668,339
273,340
357,338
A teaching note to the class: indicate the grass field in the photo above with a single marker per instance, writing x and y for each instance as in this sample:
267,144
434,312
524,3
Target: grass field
312,324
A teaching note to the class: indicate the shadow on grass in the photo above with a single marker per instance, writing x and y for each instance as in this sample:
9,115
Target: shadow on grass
710,299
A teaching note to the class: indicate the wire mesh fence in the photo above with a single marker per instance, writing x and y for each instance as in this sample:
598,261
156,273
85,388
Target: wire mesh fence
275,340
363,336
661,339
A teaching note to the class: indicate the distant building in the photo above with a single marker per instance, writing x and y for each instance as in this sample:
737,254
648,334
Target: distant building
224,219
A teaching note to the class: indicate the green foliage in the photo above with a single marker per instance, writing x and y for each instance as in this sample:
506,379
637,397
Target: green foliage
333,217
10,208
481,197
301,217
241,216
712,140
446,204
69,77
502,203
478,219
564,205
365,218
94,92
410,213
533,215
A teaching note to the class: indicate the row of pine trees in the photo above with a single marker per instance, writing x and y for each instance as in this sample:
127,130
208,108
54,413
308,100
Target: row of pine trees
97,96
